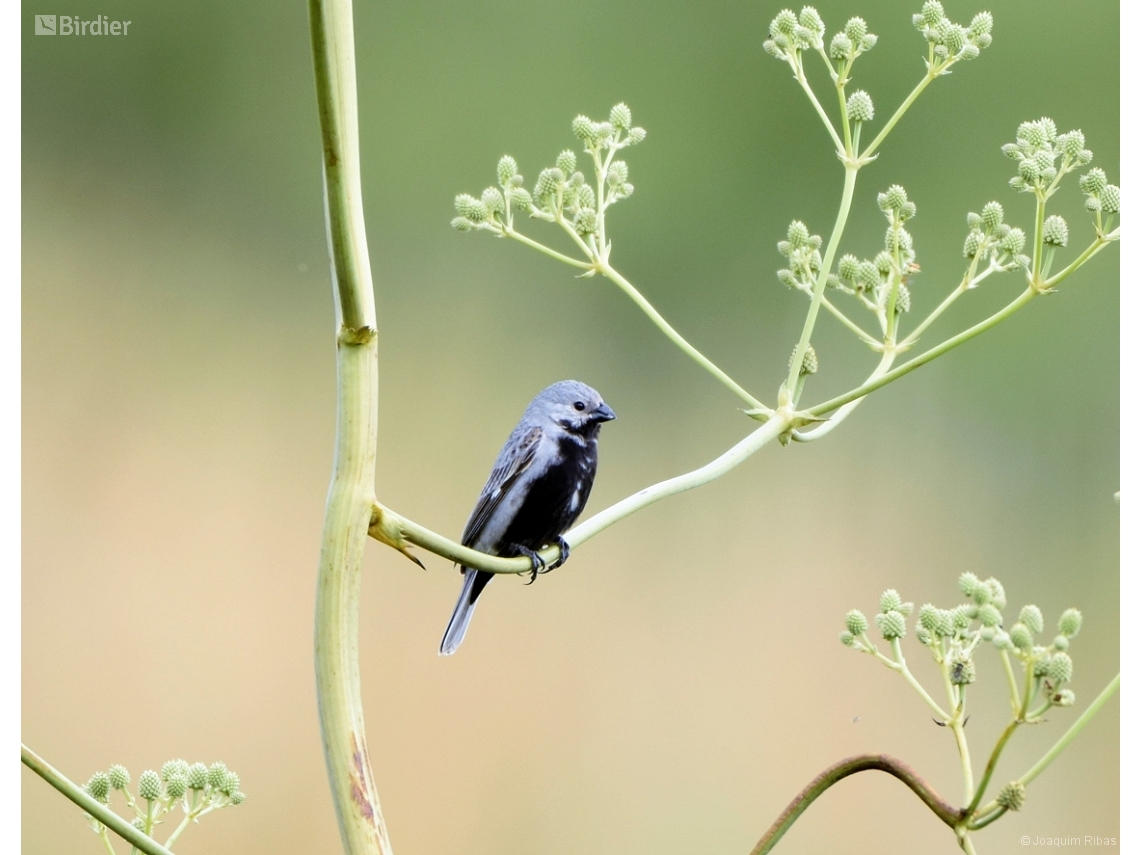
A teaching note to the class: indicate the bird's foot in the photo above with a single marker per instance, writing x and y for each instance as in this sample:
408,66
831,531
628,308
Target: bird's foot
563,554
537,565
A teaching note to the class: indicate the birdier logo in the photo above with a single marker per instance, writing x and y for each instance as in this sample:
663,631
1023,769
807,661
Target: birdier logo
66,25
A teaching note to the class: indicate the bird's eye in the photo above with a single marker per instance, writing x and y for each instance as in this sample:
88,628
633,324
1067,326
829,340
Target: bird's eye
579,406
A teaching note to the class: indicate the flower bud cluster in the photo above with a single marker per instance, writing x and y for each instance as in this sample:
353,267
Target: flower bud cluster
801,249
561,192
1037,150
950,42
850,42
789,35
194,788
1100,196
991,239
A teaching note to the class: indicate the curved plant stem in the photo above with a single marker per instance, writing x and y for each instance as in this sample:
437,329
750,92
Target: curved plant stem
97,810
420,536
836,773
352,490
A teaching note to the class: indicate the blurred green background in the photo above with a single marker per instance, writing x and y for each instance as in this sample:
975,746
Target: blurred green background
680,680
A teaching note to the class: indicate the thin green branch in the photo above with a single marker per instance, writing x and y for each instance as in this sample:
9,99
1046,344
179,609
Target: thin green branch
1075,728
832,775
894,120
543,248
849,176
1091,250
919,361
991,765
801,78
896,647
676,337
841,316
96,809
387,525
846,410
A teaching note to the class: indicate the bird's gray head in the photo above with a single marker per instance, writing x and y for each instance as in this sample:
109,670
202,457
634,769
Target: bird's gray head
571,405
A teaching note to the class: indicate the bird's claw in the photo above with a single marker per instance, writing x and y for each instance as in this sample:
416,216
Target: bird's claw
537,565
563,554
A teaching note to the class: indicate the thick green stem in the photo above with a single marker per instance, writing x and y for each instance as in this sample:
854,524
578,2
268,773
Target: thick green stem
352,490
834,774
442,546
850,174
97,809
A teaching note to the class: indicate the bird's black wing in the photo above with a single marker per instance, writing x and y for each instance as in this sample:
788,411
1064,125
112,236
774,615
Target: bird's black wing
513,461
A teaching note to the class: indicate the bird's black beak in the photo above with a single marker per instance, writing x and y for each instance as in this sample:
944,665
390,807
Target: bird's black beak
603,414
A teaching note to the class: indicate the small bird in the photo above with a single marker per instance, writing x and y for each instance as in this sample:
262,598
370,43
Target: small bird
537,489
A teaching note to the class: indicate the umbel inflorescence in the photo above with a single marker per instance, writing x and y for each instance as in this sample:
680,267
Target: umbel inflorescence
194,789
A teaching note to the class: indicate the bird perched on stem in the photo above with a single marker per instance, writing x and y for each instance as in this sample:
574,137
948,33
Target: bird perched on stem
536,491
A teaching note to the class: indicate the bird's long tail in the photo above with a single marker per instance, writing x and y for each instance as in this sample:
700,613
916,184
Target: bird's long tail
474,581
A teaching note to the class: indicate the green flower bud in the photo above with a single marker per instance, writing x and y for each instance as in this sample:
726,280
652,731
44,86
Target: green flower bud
621,117
198,776
119,777
521,199
928,617
840,46
618,173
955,38
1002,640
462,224
883,263
982,24
848,267
968,583
1110,199
636,135
973,244
1064,698
150,785
1071,144
1050,128
810,19
1043,160
549,180
988,615
992,215
1092,204
99,787
784,23
216,775
961,616
962,672
175,769
1027,171
470,208
1013,242
923,635
798,234
176,786
855,29
932,12
506,170
856,622
567,161
984,40
1021,637
1031,617
902,299
810,363
773,49
1055,232
868,42
890,601
987,633
908,211
898,240
586,221
586,196
786,277
868,275
139,822
1061,642
1041,664
1093,181
918,21
1012,796
1070,622
860,107
237,798
1060,668
231,783
846,639
582,128
893,199
493,200
892,625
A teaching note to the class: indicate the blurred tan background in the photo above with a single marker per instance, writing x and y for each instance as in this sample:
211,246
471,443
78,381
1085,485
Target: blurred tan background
674,685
